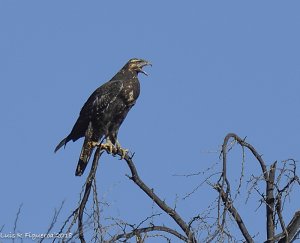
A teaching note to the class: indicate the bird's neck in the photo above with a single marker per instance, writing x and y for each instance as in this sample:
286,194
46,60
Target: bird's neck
125,74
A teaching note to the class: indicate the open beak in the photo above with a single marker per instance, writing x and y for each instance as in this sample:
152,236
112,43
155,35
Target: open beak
143,64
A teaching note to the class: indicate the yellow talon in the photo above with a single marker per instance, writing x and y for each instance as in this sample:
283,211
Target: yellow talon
94,144
110,148
122,150
107,146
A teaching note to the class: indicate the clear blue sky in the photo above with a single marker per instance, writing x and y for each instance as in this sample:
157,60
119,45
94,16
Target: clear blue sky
218,67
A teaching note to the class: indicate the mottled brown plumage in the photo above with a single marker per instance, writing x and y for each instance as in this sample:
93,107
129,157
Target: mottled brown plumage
105,110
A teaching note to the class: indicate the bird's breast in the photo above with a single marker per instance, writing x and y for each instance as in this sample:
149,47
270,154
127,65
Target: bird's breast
131,93
130,97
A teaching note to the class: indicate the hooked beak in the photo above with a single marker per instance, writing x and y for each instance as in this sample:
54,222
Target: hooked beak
143,64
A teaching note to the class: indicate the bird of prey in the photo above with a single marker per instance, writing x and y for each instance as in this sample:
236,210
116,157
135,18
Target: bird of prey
103,113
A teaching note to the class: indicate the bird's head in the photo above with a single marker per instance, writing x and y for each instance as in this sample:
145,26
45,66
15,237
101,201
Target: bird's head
136,65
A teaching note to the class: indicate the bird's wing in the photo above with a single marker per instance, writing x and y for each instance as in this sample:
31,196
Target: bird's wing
96,105
104,96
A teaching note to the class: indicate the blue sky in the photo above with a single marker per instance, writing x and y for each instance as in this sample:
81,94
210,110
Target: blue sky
218,67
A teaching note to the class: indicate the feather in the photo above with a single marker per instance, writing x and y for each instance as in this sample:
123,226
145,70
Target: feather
62,143
86,151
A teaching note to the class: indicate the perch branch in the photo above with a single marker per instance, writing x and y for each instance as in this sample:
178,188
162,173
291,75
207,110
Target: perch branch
174,215
88,186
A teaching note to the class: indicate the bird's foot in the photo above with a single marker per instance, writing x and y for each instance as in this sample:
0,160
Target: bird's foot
122,150
108,146
94,144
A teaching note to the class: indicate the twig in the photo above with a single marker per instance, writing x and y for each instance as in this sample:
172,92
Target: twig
16,220
2,227
234,213
54,220
279,213
149,217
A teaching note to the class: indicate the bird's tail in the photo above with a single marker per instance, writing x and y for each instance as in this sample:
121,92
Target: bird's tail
85,155
86,151
62,143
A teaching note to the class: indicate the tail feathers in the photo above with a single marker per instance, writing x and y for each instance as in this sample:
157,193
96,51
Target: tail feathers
84,158
62,143
86,151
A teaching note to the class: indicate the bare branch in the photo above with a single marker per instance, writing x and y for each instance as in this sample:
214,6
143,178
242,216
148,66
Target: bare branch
273,196
247,145
16,220
137,232
150,192
279,213
293,229
54,220
234,213
96,214
146,219
270,202
87,191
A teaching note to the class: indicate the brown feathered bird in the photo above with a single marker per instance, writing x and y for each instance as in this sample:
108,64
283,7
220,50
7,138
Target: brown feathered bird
103,113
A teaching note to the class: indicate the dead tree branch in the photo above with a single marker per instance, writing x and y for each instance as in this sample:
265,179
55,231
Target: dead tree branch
272,197
88,186
16,220
229,205
54,220
138,232
150,192
270,202
292,229
78,213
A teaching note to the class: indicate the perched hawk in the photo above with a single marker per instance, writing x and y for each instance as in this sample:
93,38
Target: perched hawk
103,113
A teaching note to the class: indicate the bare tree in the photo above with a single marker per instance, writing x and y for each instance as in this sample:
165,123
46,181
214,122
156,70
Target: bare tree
273,196
278,181
137,232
